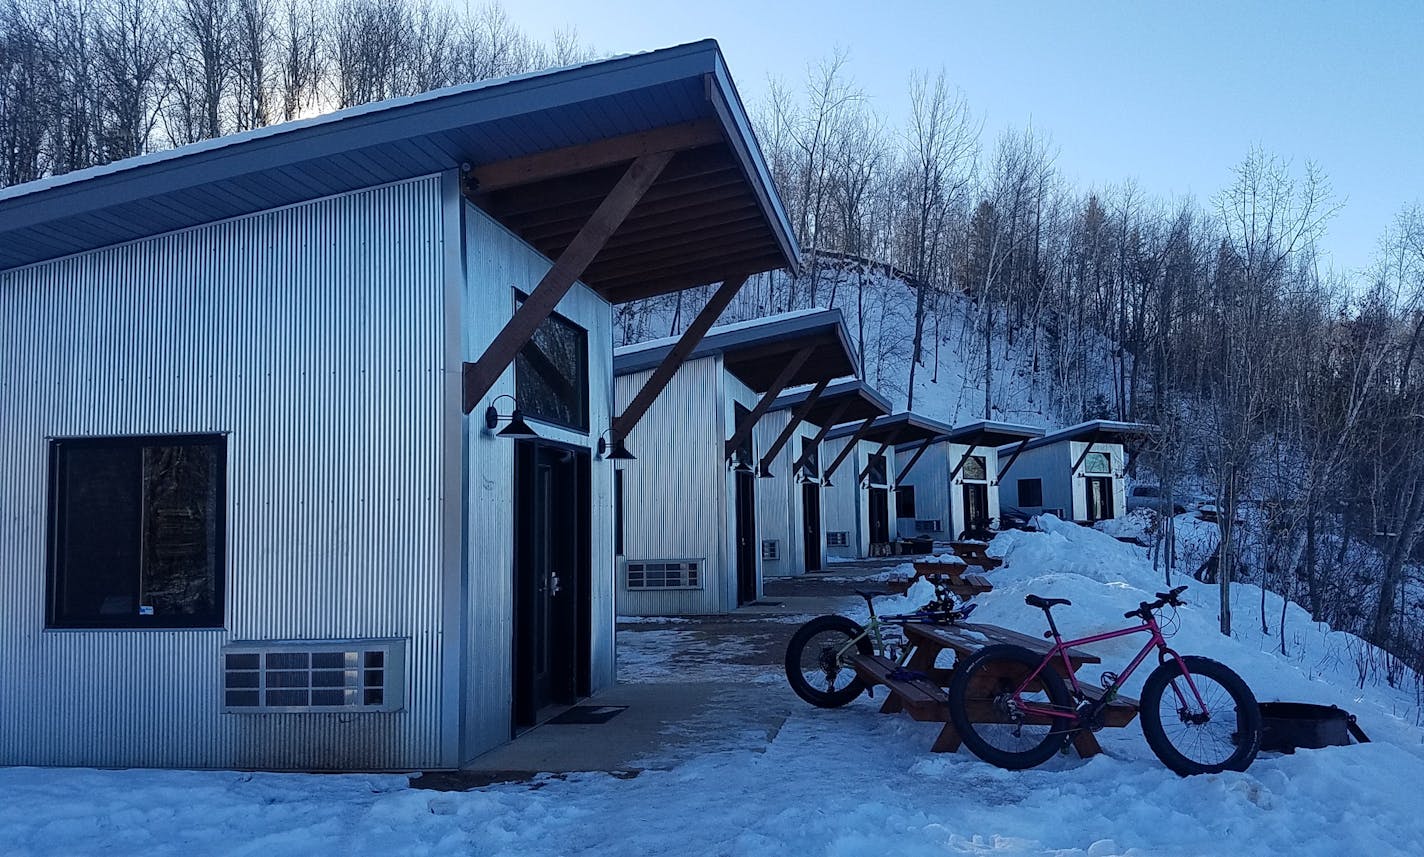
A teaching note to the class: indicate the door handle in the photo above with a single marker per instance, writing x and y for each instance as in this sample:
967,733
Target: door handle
554,585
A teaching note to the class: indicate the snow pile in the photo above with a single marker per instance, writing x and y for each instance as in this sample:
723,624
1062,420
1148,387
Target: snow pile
940,559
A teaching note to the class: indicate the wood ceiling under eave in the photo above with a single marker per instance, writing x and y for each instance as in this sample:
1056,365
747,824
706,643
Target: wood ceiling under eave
699,223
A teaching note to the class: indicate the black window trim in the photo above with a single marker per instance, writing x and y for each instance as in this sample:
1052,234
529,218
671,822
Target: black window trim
587,382
53,533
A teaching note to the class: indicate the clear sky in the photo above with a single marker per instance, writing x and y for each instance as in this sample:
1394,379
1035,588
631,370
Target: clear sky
1170,94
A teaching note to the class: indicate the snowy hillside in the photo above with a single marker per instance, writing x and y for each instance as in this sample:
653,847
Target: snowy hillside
879,307
824,782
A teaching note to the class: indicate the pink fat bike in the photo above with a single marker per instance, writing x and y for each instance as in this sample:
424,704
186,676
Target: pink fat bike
1014,709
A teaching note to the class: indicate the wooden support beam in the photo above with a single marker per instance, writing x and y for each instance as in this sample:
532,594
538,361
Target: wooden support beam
685,210
797,416
1012,458
913,459
850,444
1082,458
567,161
783,379
570,195
725,247
625,422
707,268
635,291
481,375
962,459
830,422
672,245
884,445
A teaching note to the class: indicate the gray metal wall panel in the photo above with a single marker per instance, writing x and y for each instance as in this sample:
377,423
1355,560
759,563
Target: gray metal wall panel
312,335
675,495
498,263
779,501
930,478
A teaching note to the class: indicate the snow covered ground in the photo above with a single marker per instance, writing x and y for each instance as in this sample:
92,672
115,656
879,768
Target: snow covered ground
842,782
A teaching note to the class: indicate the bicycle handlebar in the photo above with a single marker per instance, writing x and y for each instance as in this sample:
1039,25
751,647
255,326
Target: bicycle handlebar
1163,599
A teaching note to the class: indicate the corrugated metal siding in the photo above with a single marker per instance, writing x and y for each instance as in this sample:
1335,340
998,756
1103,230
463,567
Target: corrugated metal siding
497,263
313,336
675,495
842,504
930,478
735,393
1050,464
780,507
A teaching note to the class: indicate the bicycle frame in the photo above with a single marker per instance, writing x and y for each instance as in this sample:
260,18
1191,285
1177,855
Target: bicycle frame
877,639
1060,650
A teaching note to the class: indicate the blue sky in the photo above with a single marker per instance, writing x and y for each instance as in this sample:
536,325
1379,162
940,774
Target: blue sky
1170,94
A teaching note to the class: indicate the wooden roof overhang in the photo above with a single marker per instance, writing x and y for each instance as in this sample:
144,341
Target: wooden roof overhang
904,427
1092,432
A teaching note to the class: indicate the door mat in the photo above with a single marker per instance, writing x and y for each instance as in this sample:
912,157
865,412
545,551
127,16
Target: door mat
588,714
762,602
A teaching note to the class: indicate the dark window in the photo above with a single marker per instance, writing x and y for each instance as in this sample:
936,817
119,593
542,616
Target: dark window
877,470
744,453
618,512
975,468
551,374
1030,492
810,457
905,502
136,532
1097,462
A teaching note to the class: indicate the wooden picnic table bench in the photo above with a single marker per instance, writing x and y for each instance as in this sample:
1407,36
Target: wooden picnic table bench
925,699
963,580
976,553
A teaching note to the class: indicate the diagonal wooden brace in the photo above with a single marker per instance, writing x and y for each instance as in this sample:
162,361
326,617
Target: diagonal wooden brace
850,444
481,375
831,422
749,422
1081,459
797,416
914,458
884,445
1018,450
963,459
624,424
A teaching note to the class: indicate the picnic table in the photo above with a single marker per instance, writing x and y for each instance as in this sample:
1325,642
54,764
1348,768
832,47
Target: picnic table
926,699
976,553
963,580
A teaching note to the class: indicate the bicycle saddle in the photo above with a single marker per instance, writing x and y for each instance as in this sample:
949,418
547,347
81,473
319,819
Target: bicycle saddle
1045,603
869,594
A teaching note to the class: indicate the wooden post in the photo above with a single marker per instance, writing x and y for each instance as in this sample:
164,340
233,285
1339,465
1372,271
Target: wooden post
481,375
624,424
796,418
914,458
854,439
788,372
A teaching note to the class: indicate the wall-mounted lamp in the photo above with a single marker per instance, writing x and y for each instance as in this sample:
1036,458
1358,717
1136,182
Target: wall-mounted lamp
613,450
517,429
764,472
740,465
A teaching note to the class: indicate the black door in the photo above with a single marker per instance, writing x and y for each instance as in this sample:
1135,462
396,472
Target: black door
879,516
552,615
811,524
1100,498
746,538
976,510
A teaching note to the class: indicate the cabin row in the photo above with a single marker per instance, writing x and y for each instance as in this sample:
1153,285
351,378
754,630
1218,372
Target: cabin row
316,453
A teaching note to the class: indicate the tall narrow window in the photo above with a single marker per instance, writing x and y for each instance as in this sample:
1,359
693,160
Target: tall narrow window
136,532
877,470
551,374
905,501
1030,492
810,457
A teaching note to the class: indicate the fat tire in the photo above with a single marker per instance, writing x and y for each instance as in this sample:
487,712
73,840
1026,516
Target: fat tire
1248,715
958,715
794,676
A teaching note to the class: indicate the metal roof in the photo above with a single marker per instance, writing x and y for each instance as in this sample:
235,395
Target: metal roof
902,427
713,212
754,352
990,433
1094,431
860,400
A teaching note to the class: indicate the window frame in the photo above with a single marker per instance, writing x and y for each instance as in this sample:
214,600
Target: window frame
584,381
1097,455
55,532
903,492
1019,491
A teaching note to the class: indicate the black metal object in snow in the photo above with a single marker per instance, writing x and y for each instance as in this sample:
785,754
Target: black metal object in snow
1290,726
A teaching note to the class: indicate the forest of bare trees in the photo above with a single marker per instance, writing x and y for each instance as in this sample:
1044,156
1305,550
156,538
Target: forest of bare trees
1291,394
86,82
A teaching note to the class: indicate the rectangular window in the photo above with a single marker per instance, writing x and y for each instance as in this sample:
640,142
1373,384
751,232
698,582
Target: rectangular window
810,457
975,468
837,539
927,526
1097,462
551,374
365,675
877,470
905,501
618,512
1030,492
137,532
771,550
664,574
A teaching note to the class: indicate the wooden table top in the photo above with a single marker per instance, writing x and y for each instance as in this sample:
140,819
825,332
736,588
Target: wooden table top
969,638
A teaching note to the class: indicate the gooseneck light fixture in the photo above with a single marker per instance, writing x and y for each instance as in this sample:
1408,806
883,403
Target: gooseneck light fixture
610,449
517,429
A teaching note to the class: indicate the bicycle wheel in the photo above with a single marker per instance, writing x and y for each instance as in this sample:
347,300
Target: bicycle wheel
815,665
1224,737
983,710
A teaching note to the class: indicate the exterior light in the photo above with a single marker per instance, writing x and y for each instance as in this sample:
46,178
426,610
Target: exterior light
614,450
765,472
517,429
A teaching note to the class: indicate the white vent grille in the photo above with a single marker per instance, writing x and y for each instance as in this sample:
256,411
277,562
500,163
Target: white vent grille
300,676
664,574
770,549
928,526
837,539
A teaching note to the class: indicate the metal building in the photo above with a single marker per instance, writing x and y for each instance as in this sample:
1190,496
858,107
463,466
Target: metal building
1075,473
951,490
789,507
299,427
861,478
688,534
